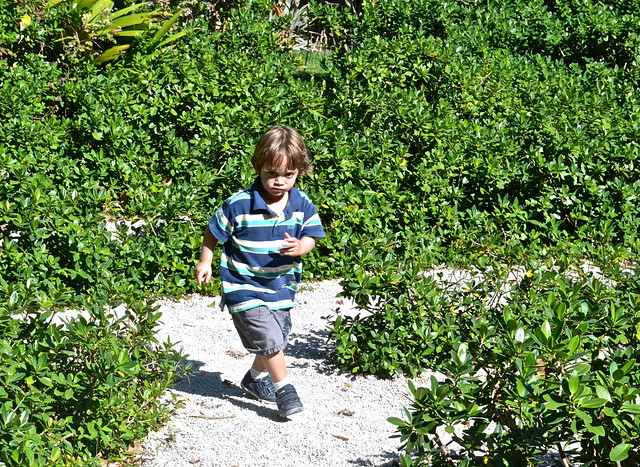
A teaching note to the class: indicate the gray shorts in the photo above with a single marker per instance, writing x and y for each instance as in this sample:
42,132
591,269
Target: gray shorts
263,331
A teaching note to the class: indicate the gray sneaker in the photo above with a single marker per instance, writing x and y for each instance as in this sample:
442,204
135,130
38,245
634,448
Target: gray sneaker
261,388
288,401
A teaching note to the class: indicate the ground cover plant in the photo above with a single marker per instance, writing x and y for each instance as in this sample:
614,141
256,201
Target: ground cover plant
536,358
483,135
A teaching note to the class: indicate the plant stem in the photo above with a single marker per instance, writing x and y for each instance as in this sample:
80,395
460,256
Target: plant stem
563,456
444,451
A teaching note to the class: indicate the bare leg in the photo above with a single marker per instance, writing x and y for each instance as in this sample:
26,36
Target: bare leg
274,364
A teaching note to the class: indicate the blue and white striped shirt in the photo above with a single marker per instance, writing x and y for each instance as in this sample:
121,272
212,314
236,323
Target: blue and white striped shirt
252,270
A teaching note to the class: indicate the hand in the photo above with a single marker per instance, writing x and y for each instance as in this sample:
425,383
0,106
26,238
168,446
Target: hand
203,272
291,246
297,247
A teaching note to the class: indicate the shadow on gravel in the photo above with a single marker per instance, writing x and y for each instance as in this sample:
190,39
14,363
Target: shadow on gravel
391,460
210,384
205,383
310,349
262,409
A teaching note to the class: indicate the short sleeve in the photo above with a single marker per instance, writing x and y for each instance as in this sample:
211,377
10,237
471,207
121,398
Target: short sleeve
220,224
312,225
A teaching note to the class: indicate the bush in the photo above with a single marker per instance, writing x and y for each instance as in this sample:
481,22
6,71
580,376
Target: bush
72,33
78,389
521,351
562,349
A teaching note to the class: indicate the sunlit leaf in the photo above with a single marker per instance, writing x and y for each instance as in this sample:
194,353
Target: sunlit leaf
620,452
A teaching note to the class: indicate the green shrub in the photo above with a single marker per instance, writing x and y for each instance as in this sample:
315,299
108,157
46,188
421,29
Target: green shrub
87,30
556,368
522,352
82,389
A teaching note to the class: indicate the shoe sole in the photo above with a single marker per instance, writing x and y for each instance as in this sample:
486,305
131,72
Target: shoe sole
291,412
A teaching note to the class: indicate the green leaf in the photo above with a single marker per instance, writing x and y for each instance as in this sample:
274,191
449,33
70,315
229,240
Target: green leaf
125,11
620,452
96,9
574,343
462,352
574,382
584,416
396,421
113,53
129,368
602,392
596,430
630,408
91,429
552,404
618,374
160,33
129,33
172,38
433,384
46,381
132,20
581,369
546,329
56,453
592,402
85,4
522,390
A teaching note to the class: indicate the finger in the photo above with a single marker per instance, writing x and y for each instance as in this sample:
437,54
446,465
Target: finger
203,278
287,236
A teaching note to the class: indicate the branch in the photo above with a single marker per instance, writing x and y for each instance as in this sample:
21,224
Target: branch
445,452
563,456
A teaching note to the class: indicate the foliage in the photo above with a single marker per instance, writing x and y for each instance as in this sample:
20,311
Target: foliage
74,31
520,352
505,137
554,368
76,389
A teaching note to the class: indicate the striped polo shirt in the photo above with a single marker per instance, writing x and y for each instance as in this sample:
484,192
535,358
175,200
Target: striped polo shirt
252,270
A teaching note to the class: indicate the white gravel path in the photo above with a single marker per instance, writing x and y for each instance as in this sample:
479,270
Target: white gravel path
345,418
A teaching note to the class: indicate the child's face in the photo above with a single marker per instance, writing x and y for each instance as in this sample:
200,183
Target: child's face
277,181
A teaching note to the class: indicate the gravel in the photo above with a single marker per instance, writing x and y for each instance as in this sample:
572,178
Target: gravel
345,418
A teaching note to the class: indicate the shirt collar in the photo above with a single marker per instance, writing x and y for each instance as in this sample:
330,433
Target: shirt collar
259,204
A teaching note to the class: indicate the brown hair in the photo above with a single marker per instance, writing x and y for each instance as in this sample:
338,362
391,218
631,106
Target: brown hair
282,144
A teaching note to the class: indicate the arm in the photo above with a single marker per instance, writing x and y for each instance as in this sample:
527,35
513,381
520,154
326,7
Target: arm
295,247
203,270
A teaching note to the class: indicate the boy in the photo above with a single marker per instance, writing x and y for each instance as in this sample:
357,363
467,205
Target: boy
265,229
